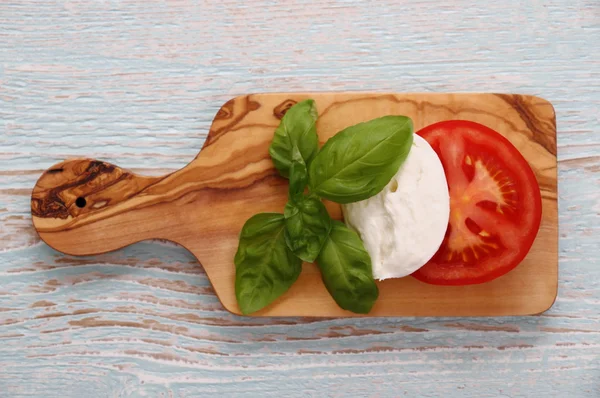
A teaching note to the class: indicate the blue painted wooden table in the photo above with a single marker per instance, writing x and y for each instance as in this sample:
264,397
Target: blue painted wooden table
138,83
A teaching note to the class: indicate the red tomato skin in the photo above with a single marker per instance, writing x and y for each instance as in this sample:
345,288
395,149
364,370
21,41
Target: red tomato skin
502,264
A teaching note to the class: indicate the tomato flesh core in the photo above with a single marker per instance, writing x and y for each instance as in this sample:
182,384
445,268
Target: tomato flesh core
495,205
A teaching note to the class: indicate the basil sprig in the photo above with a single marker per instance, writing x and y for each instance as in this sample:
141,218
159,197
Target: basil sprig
353,165
307,225
298,175
264,266
297,131
359,161
345,266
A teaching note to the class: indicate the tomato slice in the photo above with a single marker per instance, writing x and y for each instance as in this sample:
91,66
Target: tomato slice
495,205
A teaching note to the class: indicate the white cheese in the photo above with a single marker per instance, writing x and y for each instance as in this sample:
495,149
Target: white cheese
404,225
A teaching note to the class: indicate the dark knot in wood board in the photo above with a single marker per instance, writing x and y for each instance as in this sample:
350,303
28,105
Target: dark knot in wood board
543,131
226,111
61,191
235,109
280,110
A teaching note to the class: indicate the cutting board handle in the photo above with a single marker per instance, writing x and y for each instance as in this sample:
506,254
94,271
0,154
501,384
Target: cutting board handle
76,192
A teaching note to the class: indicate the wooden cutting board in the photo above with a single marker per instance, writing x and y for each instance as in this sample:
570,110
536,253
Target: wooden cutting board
85,206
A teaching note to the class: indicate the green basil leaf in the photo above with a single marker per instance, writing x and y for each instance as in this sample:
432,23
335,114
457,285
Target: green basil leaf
346,270
359,161
298,175
307,225
296,130
264,266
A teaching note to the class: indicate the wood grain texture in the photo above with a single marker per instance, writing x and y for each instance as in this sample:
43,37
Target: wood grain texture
138,84
204,206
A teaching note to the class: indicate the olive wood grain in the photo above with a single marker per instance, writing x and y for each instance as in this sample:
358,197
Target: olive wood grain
204,205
